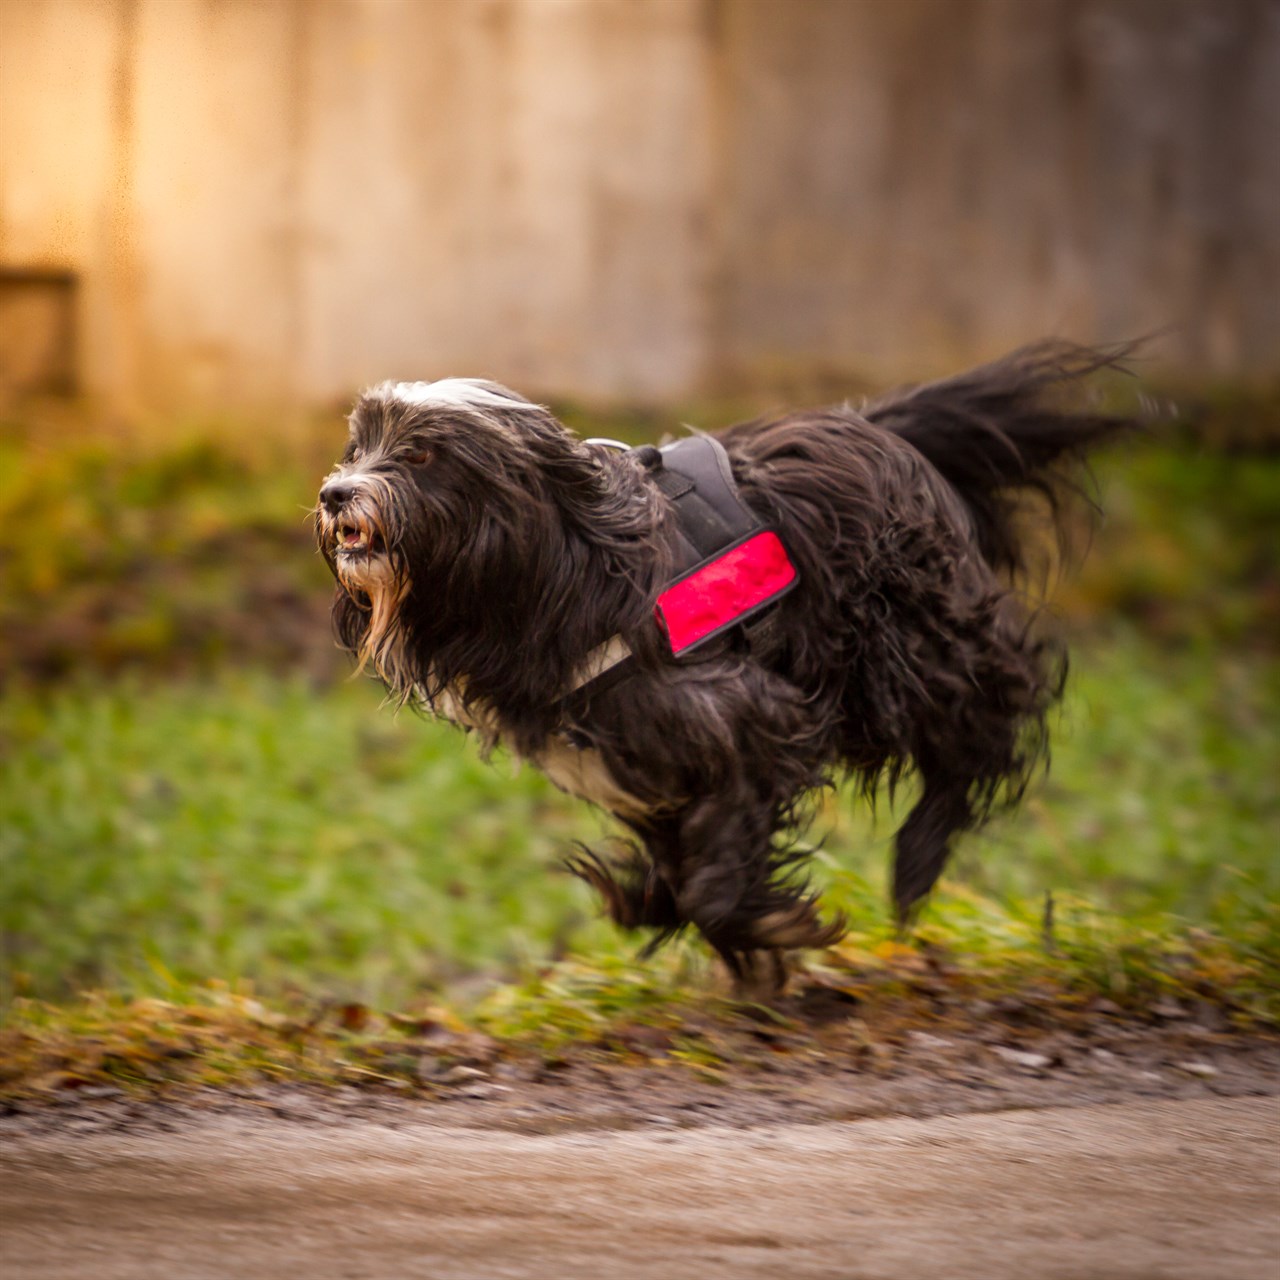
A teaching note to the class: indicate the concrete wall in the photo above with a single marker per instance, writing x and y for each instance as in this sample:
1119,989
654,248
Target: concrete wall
273,201
920,182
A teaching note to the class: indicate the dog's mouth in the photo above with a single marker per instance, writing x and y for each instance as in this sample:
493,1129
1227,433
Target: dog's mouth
356,540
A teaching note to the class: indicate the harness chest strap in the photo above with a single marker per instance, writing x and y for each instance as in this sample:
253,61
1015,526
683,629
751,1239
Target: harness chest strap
725,590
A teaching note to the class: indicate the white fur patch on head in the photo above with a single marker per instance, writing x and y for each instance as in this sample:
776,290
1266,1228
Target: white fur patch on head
453,393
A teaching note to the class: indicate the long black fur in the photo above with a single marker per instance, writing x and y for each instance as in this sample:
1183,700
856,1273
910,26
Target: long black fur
515,549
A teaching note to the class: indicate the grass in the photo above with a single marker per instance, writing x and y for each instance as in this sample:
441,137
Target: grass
296,841
263,830
301,838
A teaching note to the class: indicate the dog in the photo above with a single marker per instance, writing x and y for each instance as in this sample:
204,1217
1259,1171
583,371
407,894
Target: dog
497,571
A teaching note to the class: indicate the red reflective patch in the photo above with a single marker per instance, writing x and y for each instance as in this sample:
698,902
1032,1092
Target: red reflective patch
725,590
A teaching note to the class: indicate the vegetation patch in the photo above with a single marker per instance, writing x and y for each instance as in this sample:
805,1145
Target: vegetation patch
384,908
190,550
220,861
863,1006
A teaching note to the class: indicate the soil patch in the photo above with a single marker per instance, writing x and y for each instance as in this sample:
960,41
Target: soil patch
1139,1189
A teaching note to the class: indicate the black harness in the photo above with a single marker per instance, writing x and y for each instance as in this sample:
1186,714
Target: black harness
733,567
695,475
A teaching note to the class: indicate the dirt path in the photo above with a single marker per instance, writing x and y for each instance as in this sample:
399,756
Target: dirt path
1145,1189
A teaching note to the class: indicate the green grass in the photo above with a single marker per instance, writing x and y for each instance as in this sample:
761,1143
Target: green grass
1162,793
258,829
1187,549
312,841
173,558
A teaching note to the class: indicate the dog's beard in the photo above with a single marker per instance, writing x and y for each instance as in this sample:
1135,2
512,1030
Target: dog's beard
385,587
364,561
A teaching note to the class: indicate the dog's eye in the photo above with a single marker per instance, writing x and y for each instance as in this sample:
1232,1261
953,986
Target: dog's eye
421,457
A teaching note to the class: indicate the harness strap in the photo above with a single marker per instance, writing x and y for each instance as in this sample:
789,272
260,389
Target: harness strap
732,566
695,475
603,660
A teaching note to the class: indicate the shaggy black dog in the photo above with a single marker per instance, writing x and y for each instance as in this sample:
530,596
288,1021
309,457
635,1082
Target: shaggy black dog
490,564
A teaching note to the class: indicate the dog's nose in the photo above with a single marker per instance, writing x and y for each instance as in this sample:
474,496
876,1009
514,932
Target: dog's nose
335,495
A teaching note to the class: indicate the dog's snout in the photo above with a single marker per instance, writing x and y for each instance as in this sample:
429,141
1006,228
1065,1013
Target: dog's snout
335,495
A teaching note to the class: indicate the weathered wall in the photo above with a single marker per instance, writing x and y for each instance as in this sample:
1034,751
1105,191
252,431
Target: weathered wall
512,187
919,182
283,199
271,201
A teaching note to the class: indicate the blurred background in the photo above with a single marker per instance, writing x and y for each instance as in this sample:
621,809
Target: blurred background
220,218
230,203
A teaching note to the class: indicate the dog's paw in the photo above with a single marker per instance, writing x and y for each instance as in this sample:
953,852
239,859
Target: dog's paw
797,926
635,896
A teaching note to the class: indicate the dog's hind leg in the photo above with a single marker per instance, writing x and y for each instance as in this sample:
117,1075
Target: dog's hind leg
975,753
924,841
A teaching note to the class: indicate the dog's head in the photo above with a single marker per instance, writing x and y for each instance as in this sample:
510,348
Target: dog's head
457,508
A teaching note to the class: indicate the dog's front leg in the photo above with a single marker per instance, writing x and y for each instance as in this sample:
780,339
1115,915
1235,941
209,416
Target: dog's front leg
732,880
722,756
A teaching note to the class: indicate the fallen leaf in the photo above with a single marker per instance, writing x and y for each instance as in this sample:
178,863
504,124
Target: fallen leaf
353,1017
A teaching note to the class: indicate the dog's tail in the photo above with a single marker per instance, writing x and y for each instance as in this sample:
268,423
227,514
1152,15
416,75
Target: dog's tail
1007,428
